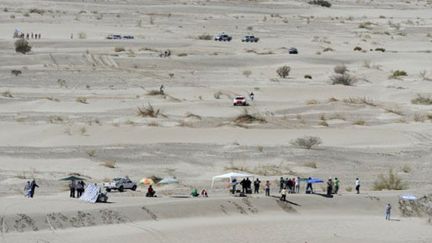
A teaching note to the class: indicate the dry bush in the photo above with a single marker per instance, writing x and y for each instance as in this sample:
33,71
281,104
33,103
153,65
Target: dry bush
83,130
322,3
91,153
22,46
359,101
390,182
359,122
307,76
37,10
348,189
419,117
343,79
312,165
357,48
153,124
82,35
205,37
283,71
82,100
148,111
365,25
312,102
424,76
422,100
247,73
340,69
395,110
155,92
191,115
55,119
397,74
380,49
110,164
182,54
119,49
333,99
16,72
62,83
260,148
307,142
246,118
327,49
7,94
406,168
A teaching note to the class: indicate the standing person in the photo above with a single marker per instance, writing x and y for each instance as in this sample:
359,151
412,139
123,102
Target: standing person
161,89
243,185
267,188
309,188
33,186
388,211
257,183
251,96
32,35
281,184
329,187
72,188
357,185
39,36
27,36
283,194
297,184
234,185
336,185
27,189
248,185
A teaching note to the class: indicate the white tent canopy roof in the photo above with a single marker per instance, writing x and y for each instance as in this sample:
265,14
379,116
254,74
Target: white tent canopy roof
231,176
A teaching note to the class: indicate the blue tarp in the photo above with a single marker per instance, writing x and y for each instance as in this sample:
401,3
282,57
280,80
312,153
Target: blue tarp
408,197
314,180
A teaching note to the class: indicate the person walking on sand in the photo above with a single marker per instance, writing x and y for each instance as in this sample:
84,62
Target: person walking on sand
281,184
267,188
357,185
33,186
336,185
27,189
257,183
329,187
388,211
283,194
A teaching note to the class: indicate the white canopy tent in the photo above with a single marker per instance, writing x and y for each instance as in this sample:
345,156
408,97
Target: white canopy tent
231,176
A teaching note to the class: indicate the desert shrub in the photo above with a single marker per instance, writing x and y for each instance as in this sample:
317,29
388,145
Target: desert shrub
22,46
348,189
380,49
62,83
344,79
91,153
283,71
327,49
26,14
365,25
119,49
312,165
406,168
246,118
419,117
422,100
205,37
7,94
398,73
340,69
182,54
82,35
359,122
312,102
247,73
307,76
16,72
359,101
321,3
82,100
37,10
110,164
390,182
307,142
357,48
148,111
155,92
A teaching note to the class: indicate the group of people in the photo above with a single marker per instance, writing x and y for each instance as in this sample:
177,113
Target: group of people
76,188
29,188
332,186
292,185
27,35
195,193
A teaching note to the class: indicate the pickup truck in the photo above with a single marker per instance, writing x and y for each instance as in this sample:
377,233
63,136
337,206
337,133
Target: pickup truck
120,184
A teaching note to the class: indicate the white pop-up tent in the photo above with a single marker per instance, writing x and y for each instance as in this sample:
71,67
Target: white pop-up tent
231,176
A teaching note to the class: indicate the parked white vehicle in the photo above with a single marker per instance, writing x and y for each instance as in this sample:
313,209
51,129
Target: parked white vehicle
120,184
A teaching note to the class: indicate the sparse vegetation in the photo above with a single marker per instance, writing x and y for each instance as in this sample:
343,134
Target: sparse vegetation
82,35
406,168
37,10
148,111
247,73
7,94
22,46
397,74
312,165
359,101
322,3
307,76
82,99
205,37
343,79
340,69
246,118
422,100
61,83
390,182
16,72
110,164
307,142
283,71
119,49
91,153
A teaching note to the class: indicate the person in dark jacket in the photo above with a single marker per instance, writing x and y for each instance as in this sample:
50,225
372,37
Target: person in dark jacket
309,188
72,188
257,183
33,186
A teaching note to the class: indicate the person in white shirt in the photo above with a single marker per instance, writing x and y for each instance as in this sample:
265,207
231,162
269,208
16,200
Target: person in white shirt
357,184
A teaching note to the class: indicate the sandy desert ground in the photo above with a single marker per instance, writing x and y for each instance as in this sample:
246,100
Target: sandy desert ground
74,110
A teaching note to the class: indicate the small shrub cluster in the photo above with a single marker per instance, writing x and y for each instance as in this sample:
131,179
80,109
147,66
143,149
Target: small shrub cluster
283,71
246,118
321,3
22,46
307,142
340,69
148,111
37,10
422,100
344,79
390,182
16,72
205,37
398,73
119,49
